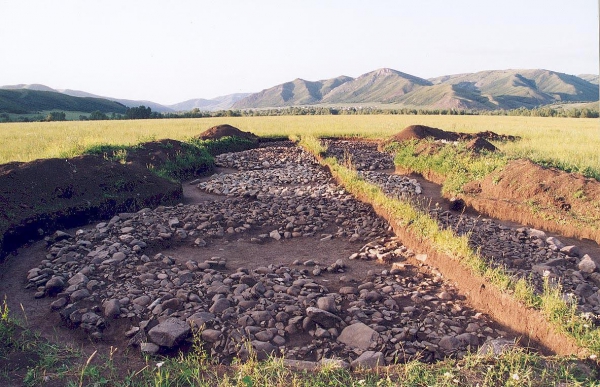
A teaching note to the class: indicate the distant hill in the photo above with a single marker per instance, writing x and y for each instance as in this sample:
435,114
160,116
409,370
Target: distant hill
383,85
485,90
510,89
156,107
219,103
24,101
592,78
296,92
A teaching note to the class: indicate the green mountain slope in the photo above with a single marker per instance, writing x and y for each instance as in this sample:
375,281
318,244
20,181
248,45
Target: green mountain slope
485,90
296,92
446,96
23,101
509,89
383,85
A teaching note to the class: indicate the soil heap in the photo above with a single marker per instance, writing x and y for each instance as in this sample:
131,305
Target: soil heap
225,130
478,141
40,196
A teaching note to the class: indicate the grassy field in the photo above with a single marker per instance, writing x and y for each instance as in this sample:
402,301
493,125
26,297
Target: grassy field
560,140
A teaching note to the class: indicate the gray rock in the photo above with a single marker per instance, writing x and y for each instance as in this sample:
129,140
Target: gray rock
359,336
300,365
496,347
322,317
571,251
368,360
149,348
112,308
587,264
78,279
79,295
59,303
219,306
450,343
327,304
211,335
263,349
54,285
142,300
169,333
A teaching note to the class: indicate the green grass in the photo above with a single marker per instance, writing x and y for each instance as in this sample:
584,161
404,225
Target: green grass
196,155
454,162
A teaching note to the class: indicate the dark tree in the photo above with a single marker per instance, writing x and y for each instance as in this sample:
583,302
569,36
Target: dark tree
138,113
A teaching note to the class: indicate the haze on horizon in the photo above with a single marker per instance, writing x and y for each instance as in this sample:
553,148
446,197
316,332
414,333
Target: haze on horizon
172,52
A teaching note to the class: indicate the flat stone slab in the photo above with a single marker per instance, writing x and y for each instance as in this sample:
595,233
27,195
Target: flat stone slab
359,336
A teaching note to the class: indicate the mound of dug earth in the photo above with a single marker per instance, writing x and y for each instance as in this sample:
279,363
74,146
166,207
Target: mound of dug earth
43,195
187,160
420,132
220,131
544,197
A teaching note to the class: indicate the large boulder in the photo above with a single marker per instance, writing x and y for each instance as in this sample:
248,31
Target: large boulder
169,333
359,336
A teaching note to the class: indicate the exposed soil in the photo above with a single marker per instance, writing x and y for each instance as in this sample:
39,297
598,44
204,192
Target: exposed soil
225,130
547,198
41,196
155,154
478,140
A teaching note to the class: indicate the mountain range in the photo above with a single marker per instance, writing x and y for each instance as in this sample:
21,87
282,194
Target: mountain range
484,90
218,103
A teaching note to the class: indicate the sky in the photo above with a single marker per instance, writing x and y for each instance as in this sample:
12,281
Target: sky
172,51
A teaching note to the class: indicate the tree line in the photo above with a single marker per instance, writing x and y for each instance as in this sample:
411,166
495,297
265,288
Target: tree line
143,112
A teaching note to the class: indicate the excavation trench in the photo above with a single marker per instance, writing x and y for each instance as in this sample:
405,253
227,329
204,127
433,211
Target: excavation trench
255,258
273,252
529,323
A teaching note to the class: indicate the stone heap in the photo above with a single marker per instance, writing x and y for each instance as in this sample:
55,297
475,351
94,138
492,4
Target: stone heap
530,253
394,186
363,155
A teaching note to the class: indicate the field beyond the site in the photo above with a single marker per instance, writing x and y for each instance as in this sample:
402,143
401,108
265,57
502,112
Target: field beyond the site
571,144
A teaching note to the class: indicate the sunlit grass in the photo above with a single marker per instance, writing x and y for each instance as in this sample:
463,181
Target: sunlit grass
561,141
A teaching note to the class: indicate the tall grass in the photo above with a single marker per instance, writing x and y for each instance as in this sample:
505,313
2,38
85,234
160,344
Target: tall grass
563,141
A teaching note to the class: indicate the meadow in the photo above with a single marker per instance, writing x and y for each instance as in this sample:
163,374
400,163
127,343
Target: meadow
571,144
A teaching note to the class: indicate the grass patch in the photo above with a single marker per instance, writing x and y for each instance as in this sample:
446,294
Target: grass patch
408,215
454,162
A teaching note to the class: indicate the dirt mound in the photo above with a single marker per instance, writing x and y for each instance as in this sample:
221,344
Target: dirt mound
41,196
420,132
176,159
220,131
544,197
478,144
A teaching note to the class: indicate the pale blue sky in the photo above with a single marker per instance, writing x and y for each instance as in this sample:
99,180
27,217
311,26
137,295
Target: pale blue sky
171,51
